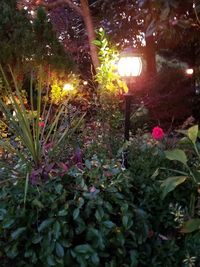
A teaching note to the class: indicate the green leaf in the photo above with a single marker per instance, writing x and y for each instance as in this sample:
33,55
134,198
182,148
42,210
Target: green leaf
50,261
193,133
8,223
26,187
176,154
88,164
63,212
18,232
36,239
38,203
11,252
59,250
171,183
56,230
125,221
95,259
2,214
83,249
134,258
108,224
76,213
97,43
191,226
45,224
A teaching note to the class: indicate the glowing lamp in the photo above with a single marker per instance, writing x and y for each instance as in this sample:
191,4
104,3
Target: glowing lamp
189,71
130,68
68,87
130,64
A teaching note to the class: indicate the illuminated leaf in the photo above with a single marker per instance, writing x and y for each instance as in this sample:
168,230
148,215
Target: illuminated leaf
171,183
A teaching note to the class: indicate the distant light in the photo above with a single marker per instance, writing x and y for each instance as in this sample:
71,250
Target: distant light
85,83
32,12
68,87
189,71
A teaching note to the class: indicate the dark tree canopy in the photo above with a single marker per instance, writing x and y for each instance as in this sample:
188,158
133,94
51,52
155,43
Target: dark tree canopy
27,38
15,33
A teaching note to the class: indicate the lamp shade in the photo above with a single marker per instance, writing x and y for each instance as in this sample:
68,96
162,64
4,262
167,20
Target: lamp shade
130,64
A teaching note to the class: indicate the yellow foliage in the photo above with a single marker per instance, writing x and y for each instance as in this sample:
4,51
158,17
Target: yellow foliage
59,90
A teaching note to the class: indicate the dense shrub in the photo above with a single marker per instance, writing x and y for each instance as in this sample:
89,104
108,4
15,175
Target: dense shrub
96,215
70,222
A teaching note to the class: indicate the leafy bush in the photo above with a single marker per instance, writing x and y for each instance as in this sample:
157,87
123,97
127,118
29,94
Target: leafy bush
110,85
95,215
176,218
71,221
189,174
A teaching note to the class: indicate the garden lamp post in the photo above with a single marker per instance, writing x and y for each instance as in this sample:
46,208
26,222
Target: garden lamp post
129,68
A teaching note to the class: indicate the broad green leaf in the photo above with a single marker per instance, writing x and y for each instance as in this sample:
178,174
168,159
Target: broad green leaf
191,226
171,183
45,224
176,154
18,232
193,133
59,250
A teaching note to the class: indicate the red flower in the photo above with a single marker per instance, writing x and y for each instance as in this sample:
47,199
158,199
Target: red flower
41,124
158,133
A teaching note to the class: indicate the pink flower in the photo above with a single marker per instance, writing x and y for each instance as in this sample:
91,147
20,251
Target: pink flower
92,189
41,124
158,133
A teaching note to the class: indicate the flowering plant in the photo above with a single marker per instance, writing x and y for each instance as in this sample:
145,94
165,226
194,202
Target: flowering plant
158,133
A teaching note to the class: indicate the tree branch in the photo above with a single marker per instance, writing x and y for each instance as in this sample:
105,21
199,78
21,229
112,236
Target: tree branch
60,3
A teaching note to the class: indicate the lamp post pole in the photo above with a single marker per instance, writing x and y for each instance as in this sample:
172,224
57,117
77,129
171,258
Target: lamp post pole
128,98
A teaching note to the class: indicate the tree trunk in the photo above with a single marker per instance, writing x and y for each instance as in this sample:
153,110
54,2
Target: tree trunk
87,18
150,55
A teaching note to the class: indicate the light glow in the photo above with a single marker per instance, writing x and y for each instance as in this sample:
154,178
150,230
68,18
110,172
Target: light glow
130,66
189,71
85,83
68,87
